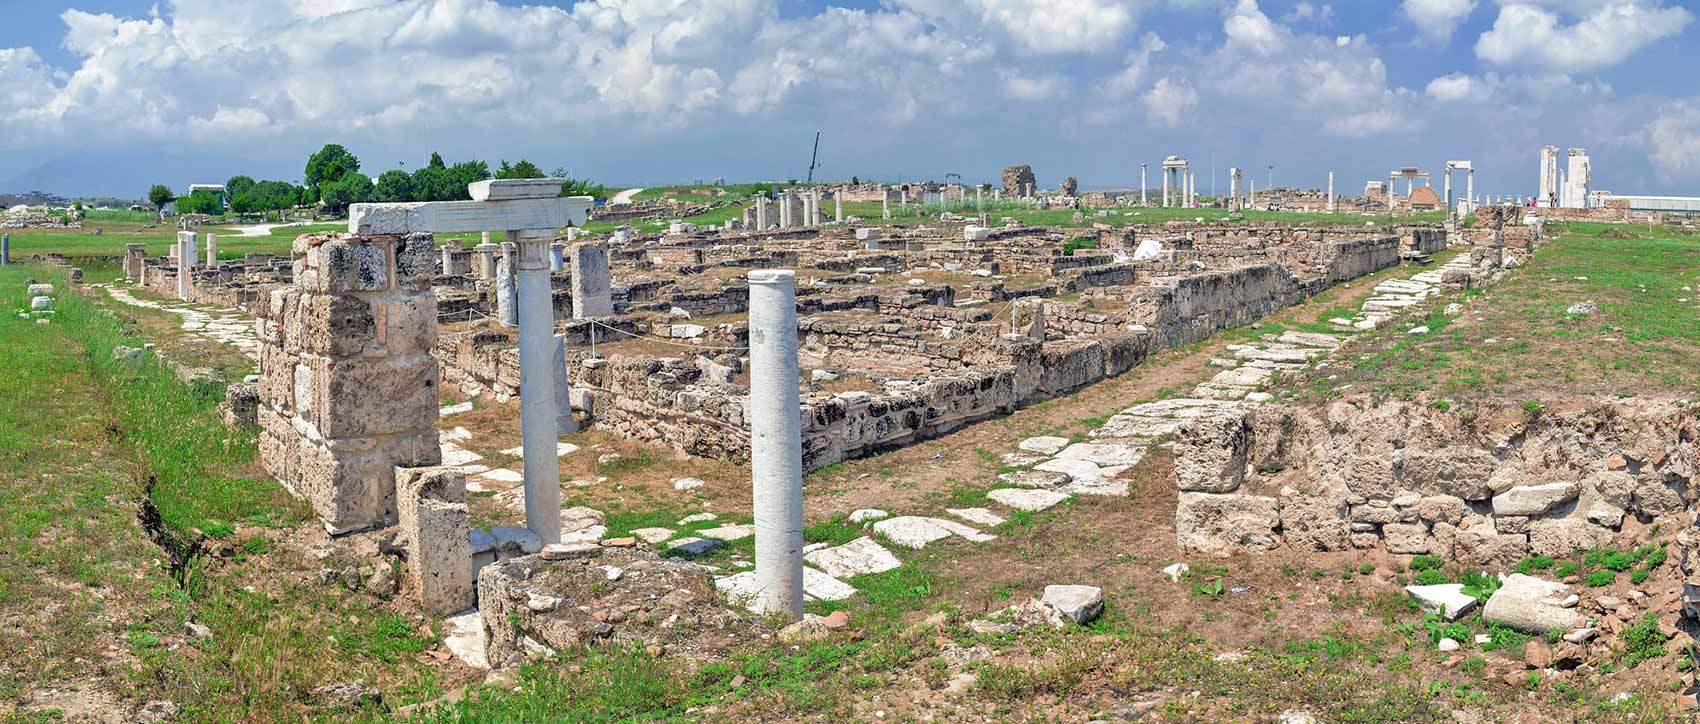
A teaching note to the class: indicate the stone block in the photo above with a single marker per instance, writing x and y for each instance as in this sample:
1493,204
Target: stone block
415,262
1221,525
350,482
1457,471
1210,453
1532,605
434,525
352,265
337,325
1531,500
366,397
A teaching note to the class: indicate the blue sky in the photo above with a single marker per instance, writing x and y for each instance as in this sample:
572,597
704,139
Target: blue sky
108,96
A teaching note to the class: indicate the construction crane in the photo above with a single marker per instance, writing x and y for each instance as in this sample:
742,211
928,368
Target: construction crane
814,158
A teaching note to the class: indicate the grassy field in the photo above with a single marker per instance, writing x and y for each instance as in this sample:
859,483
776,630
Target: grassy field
99,454
1516,341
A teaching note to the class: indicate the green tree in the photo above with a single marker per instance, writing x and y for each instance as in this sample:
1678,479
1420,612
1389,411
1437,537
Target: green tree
201,202
353,188
237,186
464,174
393,186
523,169
436,161
331,163
433,183
161,196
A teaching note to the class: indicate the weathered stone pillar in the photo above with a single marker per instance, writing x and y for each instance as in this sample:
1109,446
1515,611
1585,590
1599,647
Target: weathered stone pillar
776,445
592,290
135,261
564,422
785,220
348,386
1027,316
762,214
1331,207
838,206
212,251
5,249
185,258
448,258
486,255
1142,184
557,257
435,529
539,417
885,204
507,295
1166,173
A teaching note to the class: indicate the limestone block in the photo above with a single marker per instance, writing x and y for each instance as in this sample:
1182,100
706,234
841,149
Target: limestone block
408,323
1530,500
1445,599
1224,524
415,262
1532,605
338,325
351,265
434,526
1441,508
365,397
1457,471
351,482
1314,518
1210,453
1615,487
1370,475
1653,497
1406,538
1559,538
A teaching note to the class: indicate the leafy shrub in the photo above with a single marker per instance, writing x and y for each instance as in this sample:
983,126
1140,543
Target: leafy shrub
1601,578
1533,563
1432,578
1643,641
1480,585
1638,576
1564,569
1426,563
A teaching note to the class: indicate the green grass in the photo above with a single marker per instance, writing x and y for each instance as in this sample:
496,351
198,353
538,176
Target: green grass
1516,344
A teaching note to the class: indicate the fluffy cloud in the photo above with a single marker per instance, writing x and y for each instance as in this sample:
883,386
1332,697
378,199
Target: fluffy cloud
1168,101
1672,141
1249,29
1436,20
1535,35
1457,87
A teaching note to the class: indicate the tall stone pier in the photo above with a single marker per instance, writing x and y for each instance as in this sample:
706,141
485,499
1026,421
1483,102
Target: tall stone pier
135,261
776,443
592,289
348,386
185,261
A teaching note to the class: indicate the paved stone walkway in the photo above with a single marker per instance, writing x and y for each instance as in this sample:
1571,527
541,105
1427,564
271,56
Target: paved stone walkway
224,326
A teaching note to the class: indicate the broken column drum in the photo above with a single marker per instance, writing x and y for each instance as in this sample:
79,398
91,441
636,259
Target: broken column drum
507,298
776,445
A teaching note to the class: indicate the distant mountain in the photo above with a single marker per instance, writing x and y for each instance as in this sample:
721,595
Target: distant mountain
128,174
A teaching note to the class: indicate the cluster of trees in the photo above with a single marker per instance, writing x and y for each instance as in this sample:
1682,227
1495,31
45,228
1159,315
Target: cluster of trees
333,180
334,170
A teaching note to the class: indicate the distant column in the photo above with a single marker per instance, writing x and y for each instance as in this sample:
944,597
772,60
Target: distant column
1142,184
185,254
1330,192
212,251
486,254
5,249
557,256
776,446
1166,171
507,294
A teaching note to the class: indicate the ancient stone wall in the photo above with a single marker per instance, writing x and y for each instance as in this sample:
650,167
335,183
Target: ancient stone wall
1490,488
348,386
1182,310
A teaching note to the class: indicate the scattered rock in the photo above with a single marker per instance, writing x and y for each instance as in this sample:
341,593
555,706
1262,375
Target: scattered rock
1449,645
683,484
1043,444
808,630
1175,571
346,696
1583,308
1082,604
1581,635
1537,653
868,514
565,551
1532,605
382,581
1446,599
158,712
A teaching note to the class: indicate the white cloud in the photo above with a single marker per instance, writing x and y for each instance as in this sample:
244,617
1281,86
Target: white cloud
1368,123
1437,20
1532,35
1023,87
1039,27
1168,101
1672,141
1457,87
1249,29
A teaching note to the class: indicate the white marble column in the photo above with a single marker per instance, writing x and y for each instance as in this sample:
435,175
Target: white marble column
1142,184
1330,192
185,257
212,251
776,445
539,415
